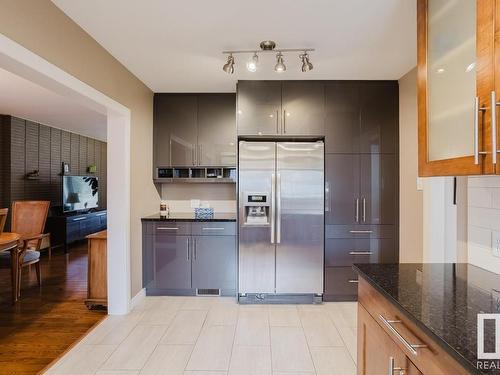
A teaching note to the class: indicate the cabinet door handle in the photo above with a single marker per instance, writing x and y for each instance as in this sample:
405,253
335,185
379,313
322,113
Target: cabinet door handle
284,121
200,154
392,368
187,252
78,218
353,281
277,122
193,156
167,228
494,104
214,228
195,248
360,231
364,210
360,252
356,215
412,348
327,196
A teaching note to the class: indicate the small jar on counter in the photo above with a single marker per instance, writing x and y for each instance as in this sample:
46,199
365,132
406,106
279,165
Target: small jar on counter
164,210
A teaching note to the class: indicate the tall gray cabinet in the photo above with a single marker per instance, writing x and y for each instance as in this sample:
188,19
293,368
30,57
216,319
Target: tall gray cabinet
361,181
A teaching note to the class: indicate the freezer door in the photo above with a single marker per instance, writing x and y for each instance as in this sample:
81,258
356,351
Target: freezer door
257,163
299,217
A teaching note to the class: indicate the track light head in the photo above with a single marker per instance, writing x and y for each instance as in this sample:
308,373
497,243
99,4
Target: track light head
252,64
280,66
229,65
306,64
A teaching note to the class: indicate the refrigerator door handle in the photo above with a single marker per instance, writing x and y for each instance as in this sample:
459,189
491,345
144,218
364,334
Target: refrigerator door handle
278,208
273,206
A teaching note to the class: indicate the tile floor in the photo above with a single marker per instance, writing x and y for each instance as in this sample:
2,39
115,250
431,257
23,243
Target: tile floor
216,336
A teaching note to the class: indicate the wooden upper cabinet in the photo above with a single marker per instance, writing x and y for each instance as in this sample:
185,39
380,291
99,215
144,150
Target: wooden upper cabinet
456,66
303,105
259,107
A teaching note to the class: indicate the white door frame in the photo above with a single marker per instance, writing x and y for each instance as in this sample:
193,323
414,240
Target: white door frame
24,63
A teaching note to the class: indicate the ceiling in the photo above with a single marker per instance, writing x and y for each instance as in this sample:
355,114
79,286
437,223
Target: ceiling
22,98
175,46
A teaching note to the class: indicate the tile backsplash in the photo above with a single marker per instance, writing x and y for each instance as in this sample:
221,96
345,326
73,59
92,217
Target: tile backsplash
483,221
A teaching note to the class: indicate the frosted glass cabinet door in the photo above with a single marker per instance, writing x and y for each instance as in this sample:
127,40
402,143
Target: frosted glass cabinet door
451,78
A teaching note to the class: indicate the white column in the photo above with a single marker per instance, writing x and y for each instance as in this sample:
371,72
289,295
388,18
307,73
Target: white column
118,205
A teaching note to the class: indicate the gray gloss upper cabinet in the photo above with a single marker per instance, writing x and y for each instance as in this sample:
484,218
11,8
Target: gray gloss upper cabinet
378,117
378,189
303,107
342,128
342,189
259,107
214,262
175,130
216,130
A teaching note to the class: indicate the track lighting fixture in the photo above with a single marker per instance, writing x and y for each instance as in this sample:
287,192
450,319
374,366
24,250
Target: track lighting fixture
252,64
280,65
266,47
229,65
306,65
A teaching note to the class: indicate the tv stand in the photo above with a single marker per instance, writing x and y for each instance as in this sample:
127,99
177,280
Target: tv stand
66,229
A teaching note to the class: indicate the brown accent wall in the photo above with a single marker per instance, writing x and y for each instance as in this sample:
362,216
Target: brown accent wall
28,146
43,28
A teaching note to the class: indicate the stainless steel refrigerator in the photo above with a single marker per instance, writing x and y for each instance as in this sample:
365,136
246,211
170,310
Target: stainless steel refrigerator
281,221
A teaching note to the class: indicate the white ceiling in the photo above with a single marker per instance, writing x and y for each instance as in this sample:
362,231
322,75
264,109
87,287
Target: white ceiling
22,98
175,46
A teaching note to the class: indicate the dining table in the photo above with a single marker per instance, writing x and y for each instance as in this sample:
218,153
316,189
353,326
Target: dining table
9,242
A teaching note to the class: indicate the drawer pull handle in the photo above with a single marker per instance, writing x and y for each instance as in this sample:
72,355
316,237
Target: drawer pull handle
214,228
412,348
361,231
79,218
167,228
392,367
355,252
353,281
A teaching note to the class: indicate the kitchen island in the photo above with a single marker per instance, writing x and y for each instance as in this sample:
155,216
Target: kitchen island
423,318
187,255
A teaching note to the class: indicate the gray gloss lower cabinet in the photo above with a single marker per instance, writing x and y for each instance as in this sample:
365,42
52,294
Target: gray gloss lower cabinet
178,258
214,262
172,262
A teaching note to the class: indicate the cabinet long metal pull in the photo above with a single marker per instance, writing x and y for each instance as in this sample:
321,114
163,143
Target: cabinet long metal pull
195,245
360,231
392,368
356,215
277,122
187,252
353,281
278,208
494,150
214,228
273,206
284,121
364,210
412,348
327,196
167,228
193,156
356,252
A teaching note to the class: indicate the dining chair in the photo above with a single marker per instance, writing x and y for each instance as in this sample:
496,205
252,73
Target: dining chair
28,220
3,218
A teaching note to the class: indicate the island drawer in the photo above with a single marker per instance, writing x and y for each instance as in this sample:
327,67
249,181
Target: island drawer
428,356
346,252
172,227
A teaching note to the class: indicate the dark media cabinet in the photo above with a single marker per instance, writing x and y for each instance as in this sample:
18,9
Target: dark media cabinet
65,229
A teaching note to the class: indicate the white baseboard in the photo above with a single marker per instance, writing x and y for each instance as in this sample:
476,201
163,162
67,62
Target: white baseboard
137,298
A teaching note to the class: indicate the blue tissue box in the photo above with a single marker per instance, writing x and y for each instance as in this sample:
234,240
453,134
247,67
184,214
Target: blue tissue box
204,213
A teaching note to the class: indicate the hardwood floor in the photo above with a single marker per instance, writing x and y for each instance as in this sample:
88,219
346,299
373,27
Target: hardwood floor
46,321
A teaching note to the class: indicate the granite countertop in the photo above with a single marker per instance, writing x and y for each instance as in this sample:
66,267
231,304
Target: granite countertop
189,216
443,300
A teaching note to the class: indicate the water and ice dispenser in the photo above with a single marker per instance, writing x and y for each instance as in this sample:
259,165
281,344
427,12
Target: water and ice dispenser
257,208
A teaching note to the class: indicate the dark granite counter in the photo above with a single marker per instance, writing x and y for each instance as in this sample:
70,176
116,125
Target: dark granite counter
189,216
443,300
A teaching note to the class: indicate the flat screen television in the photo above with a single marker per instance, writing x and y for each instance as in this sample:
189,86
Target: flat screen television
80,193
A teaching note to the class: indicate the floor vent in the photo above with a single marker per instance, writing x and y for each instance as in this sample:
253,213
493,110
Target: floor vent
208,292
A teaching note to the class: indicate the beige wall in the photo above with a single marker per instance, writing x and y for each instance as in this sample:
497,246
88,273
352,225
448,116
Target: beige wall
41,27
411,199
